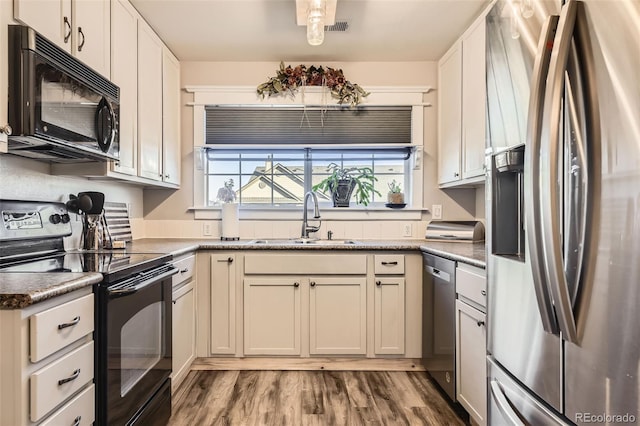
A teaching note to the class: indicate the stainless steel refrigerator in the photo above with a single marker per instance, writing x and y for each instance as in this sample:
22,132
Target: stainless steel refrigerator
563,212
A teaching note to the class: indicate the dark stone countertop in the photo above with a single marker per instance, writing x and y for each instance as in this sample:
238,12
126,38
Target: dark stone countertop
21,289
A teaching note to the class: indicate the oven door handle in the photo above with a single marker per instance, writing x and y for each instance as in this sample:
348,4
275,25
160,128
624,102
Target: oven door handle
120,292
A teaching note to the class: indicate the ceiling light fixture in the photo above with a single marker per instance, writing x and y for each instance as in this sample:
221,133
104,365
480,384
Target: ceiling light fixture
315,14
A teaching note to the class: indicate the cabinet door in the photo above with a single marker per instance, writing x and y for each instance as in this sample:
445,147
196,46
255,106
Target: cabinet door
91,34
337,315
183,332
474,98
149,103
124,73
272,316
471,367
389,320
450,115
223,304
51,18
170,117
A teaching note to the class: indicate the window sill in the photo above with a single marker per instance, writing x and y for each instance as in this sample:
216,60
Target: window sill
327,213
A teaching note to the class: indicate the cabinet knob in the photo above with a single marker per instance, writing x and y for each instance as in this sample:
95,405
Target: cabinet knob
230,260
76,421
6,129
166,176
378,283
67,25
296,284
483,292
312,283
480,323
456,174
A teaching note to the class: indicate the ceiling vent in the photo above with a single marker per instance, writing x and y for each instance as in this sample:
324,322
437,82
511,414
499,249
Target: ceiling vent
339,26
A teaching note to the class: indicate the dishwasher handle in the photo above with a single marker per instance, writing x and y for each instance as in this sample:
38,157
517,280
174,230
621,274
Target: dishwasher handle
437,273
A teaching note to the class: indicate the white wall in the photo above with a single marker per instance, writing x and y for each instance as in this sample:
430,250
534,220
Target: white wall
161,207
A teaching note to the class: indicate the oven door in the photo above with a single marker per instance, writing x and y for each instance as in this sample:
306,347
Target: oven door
134,344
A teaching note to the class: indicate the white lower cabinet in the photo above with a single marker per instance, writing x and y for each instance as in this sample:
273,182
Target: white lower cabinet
337,315
389,315
306,304
272,316
183,333
183,318
47,362
223,304
471,341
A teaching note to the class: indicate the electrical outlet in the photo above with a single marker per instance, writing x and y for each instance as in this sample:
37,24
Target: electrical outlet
436,211
407,230
206,229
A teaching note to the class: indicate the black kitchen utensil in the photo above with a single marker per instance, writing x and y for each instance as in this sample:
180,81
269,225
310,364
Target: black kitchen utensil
97,201
79,204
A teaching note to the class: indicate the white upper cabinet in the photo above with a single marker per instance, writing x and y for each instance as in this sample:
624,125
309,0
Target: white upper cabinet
170,118
81,27
149,103
474,100
124,73
450,115
462,109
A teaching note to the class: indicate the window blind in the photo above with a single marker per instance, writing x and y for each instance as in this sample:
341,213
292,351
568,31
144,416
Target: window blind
310,125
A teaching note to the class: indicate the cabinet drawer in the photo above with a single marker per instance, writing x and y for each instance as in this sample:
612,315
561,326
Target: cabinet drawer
389,264
48,385
186,268
338,264
79,411
471,282
55,328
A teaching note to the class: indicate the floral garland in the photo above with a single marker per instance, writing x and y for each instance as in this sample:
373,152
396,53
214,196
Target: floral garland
290,79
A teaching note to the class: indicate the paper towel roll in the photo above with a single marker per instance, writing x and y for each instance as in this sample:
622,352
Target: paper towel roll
230,222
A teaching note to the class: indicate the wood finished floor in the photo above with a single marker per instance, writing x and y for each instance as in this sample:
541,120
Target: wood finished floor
310,398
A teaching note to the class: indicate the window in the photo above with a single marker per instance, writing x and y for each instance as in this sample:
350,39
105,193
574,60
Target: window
279,177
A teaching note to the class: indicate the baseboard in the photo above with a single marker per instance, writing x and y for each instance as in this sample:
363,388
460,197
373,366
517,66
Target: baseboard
329,364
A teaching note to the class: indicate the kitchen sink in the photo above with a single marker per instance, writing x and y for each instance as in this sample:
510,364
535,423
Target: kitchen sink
296,241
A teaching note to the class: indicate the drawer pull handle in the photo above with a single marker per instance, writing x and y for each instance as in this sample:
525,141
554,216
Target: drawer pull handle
480,323
296,284
312,283
184,271
378,283
436,271
76,421
69,324
70,378
483,292
390,263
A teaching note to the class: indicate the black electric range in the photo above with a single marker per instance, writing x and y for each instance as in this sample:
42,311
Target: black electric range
133,310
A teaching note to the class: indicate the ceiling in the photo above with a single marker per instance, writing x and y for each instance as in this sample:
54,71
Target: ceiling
266,30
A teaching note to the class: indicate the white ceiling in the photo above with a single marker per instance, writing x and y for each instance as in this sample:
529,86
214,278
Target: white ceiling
266,30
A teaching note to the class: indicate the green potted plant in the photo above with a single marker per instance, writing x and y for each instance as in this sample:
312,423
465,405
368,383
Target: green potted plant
343,181
395,195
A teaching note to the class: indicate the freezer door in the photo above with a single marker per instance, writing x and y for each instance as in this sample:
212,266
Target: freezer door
510,404
603,366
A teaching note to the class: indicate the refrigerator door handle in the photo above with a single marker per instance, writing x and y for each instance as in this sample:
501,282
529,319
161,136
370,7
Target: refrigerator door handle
503,404
532,174
549,179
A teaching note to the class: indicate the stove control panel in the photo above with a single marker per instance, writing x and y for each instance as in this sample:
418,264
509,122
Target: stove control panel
33,219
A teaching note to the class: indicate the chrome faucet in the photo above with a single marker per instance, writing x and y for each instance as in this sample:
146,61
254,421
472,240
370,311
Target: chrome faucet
306,228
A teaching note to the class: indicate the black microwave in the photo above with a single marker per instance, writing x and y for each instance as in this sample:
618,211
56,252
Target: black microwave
60,110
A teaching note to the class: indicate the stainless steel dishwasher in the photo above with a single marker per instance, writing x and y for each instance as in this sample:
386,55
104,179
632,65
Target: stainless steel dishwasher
438,321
